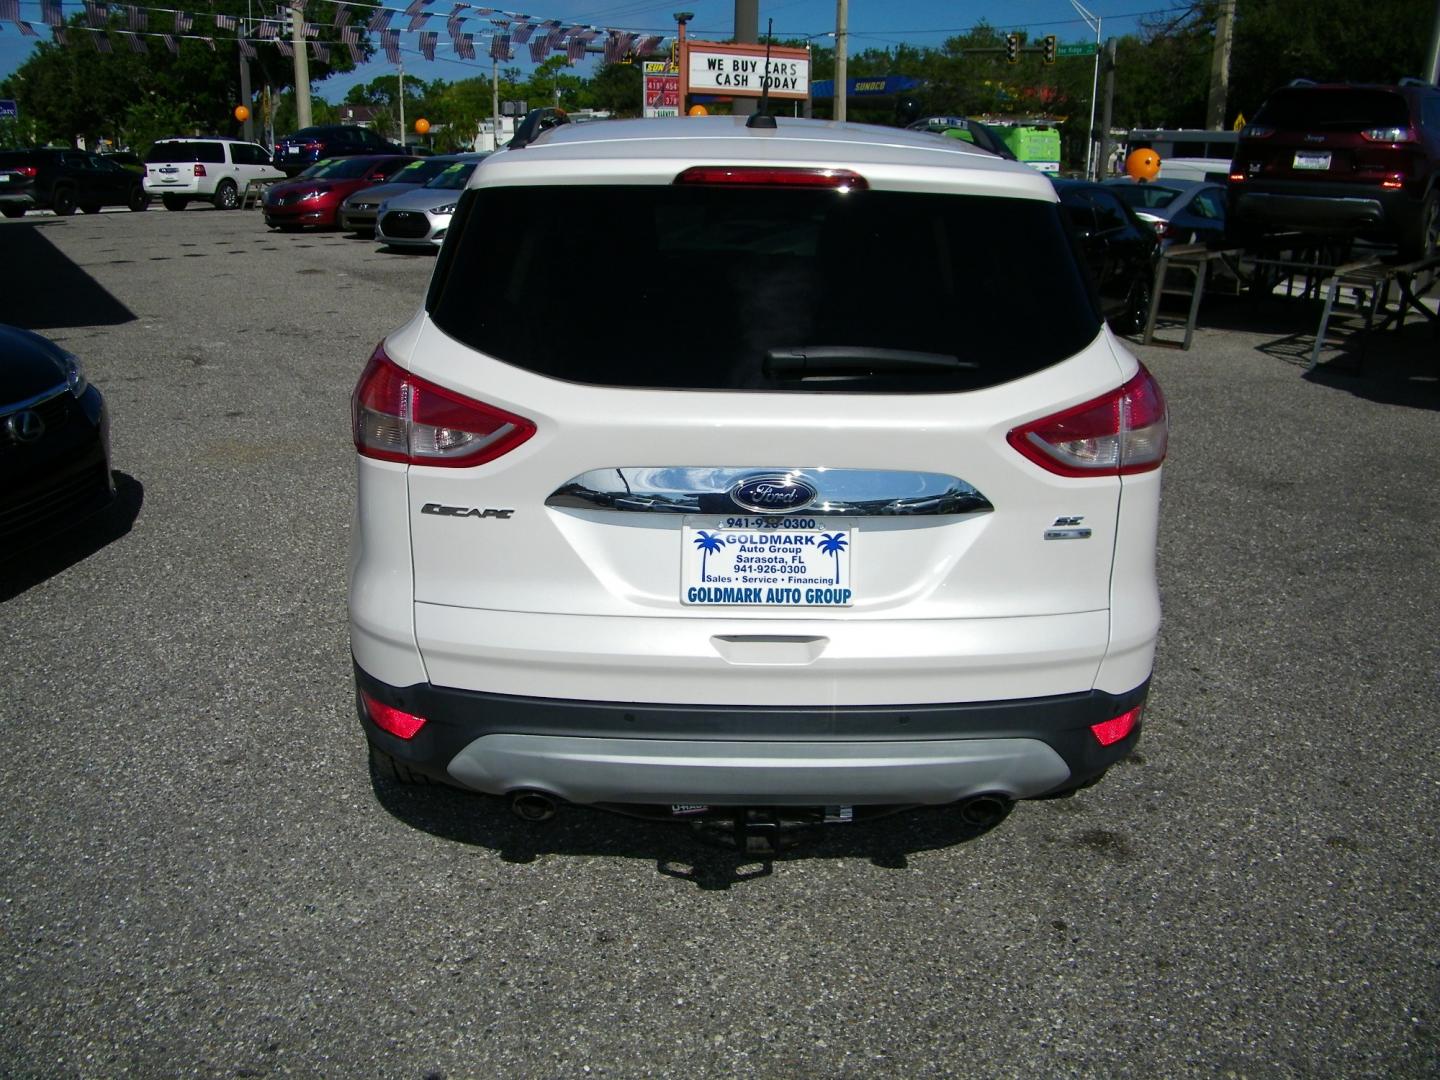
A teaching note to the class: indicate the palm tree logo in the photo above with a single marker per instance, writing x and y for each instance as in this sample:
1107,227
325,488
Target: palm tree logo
708,544
833,544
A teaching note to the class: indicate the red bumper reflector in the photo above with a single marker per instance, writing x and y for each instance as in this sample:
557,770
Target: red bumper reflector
397,722
1112,731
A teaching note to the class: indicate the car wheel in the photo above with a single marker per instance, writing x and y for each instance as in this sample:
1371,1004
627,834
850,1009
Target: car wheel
173,202
1137,309
63,202
12,211
138,200
1425,239
90,208
387,768
226,196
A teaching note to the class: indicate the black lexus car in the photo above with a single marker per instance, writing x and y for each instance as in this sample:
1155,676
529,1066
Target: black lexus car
54,442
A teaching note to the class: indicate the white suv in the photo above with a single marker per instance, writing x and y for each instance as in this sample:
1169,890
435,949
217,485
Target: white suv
786,469
214,169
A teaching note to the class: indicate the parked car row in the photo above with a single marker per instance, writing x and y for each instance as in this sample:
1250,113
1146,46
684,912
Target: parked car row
64,181
402,201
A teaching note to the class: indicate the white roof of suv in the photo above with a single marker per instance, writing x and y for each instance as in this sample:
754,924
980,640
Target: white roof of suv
655,150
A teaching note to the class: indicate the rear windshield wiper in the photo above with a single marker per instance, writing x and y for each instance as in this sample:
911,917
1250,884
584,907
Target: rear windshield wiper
821,361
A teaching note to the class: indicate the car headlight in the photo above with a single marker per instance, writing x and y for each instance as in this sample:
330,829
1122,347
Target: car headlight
74,375
311,195
448,208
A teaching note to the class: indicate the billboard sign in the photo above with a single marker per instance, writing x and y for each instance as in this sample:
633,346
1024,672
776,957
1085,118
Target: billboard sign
740,71
661,82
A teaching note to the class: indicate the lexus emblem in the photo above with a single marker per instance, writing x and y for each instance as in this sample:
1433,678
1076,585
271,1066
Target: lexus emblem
25,426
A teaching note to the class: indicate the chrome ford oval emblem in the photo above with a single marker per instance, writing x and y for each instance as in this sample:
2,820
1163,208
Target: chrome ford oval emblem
776,493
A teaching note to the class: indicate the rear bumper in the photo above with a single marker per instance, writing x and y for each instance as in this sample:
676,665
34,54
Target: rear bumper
626,753
1366,208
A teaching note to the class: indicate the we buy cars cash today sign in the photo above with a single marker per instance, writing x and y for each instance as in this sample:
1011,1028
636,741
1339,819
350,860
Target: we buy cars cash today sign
740,71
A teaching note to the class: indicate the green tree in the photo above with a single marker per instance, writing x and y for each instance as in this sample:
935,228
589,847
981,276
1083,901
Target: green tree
72,92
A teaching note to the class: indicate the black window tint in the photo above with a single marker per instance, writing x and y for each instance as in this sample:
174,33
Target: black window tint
163,153
700,282
1108,212
1333,110
1208,204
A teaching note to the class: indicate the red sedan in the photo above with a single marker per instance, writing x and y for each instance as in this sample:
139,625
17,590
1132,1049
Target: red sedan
314,197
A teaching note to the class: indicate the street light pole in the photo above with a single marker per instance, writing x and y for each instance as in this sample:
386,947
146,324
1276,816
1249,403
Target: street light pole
1093,21
842,45
302,63
402,101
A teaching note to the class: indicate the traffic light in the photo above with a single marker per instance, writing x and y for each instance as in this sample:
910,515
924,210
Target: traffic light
1049,50
1012,48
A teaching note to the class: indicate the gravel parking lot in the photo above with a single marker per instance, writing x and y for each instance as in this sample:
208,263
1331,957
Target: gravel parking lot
199,877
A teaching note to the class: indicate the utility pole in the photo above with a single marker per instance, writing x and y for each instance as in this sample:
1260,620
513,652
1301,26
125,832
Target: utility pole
249,124
402,101
495,97
842,43
1432,58
1093,21
1103,164
302,63
1220,67
747,32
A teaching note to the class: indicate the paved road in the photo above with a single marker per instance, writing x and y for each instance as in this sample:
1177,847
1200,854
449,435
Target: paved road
198,876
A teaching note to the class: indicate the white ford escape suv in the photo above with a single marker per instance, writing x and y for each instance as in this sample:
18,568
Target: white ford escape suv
735,467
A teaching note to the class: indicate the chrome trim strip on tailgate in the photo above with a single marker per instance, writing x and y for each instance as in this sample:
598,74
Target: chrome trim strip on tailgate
707,490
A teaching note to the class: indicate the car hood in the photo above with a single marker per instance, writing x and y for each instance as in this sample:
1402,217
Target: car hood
29,365
380,192
424,199
330,187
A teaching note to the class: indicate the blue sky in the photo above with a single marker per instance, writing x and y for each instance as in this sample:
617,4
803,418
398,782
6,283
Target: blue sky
872,25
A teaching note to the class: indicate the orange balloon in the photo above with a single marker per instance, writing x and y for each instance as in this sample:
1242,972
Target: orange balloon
699,110
1143,165
422,126
242,113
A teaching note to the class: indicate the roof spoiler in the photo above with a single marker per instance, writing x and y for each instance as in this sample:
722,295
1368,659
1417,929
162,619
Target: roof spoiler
536,121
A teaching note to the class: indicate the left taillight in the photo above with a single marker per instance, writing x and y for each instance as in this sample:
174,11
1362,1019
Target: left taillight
1109,732
397,416
1120,433
397,722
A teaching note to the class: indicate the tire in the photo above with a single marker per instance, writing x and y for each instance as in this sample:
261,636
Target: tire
174,202
139,200
1137,309
227,197
12,211
90,208
1424,239
387,768
63,202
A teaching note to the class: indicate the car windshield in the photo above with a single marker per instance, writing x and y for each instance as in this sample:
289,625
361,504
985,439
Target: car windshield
972,290
418,172
172,153
347,168
453,178
1144,196
1318,109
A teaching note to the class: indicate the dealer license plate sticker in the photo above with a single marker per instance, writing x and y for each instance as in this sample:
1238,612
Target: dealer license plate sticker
1304,160
793,562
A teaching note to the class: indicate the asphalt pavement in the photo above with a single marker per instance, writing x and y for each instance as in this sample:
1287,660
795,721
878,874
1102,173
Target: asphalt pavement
198,875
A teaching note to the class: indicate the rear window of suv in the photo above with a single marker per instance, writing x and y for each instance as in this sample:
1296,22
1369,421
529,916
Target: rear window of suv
1333,110
691,287
172,153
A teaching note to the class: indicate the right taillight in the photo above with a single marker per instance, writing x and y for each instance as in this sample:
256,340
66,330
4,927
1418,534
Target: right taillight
1123,432
397,416
199,170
